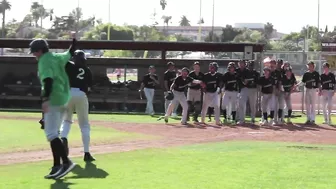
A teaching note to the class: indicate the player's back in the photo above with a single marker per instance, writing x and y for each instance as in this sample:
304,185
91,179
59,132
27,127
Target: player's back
79,76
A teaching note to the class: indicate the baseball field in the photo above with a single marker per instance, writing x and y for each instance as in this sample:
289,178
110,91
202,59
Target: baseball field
136,151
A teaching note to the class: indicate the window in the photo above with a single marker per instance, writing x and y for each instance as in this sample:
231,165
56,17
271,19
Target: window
118,74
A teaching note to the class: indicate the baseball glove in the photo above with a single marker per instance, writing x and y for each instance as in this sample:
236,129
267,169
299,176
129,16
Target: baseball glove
169,96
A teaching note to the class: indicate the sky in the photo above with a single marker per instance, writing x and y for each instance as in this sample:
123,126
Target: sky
286,15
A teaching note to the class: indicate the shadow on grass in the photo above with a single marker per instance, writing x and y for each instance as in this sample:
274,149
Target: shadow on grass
89,171
60,184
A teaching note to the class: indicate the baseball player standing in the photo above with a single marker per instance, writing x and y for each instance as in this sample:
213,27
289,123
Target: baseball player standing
311,79
230,87
80,78
243,91
212,82
169,77
178,87
148,85
56,94
276,74
250,81
327,92
267,86
194,93
288,83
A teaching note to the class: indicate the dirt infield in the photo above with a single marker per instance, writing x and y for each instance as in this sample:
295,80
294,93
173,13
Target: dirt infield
176,135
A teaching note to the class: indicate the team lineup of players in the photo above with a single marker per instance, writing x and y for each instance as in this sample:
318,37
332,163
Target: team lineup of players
239,85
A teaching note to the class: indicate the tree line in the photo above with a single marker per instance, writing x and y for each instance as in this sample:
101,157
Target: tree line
32,26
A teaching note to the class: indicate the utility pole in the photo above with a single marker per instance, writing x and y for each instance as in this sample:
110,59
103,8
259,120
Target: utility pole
213,21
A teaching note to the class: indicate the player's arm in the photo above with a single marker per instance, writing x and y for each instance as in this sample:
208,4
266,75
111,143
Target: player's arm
155,79
142,85
303,80
46,75
172,86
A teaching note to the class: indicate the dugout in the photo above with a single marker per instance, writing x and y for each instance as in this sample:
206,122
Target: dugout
20,87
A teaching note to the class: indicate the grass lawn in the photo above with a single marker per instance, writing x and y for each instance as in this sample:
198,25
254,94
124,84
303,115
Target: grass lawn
124,118
118,118
230,165
22,135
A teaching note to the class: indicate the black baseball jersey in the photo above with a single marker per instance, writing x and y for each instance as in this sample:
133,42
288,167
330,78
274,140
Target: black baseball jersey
212,81
200,77
311,79
287,84
328,81
148,81
169,76
251,78
230,81
241,74
181,84
277,75
266,84
80,76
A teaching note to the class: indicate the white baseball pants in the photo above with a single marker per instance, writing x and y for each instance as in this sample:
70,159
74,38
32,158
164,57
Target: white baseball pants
179,97
211,100
79,103
310,102
149,93
327,96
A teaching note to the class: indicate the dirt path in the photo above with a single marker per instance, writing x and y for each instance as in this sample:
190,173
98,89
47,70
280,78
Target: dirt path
175,135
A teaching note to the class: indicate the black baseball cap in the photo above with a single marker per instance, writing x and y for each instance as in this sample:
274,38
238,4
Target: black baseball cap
38,45
326,64
185,69
170,64
311,63
280,61
196,63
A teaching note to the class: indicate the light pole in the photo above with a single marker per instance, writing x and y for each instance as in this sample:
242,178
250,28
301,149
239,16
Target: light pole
109,20
213,20
200,23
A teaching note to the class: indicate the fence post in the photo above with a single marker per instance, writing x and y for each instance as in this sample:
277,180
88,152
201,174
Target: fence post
320,71
125,90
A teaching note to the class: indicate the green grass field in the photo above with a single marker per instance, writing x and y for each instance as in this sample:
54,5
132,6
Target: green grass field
225,165
230,165
23,135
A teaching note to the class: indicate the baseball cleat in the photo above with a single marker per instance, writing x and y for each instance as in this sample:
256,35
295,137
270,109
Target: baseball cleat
55,170
166,119
66,168
253,120
66,145
308,122
88,157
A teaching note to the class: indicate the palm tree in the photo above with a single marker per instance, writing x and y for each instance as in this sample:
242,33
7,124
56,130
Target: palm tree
184,21
163,4
4,6
166,21
36,13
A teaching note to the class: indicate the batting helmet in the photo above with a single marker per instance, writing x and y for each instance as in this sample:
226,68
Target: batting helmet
169,96
38,45
214,64
80,54
170,64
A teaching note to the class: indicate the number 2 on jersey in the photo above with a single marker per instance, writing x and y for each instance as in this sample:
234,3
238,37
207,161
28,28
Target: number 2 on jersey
81,73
